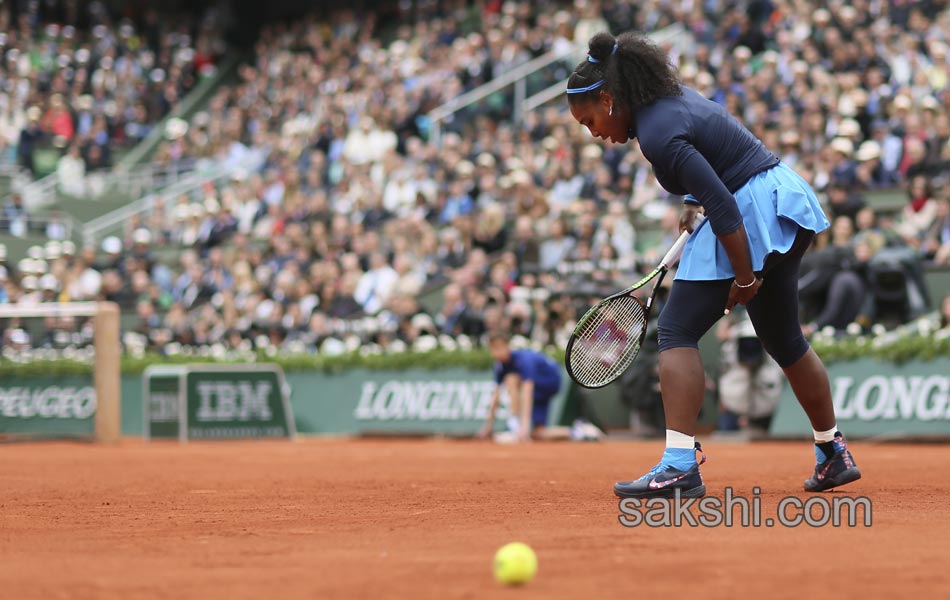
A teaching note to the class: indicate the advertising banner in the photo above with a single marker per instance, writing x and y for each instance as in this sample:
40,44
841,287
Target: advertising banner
874,398
48,406
193,402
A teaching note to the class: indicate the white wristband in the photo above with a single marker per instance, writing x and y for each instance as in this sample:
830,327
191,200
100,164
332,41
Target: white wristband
736,283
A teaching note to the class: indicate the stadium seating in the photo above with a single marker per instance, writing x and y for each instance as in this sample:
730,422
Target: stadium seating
318,201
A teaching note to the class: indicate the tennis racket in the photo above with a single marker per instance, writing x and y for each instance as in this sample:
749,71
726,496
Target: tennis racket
608,336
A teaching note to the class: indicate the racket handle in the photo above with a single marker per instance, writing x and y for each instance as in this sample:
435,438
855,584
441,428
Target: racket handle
674,254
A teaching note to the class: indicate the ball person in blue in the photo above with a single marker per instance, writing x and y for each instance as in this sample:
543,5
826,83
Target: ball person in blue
761,216
532,379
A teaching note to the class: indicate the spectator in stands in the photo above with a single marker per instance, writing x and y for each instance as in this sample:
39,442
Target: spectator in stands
472,321
295,115
334,303
868,230
616,231
71,172
217,228
217,276
58,121
556,246
368,143
453,309
12,121
945,312
15,219
6,276
919,213
915,158
490,234
410,280
8,269
526,246
843,171
115,289
458,202
936,244
376,285
750,381
96,157
832,285
31,136
104,83
843,201
148,319
83,282
870,172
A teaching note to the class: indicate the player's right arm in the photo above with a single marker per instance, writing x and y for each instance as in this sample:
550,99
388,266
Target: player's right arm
692,171
489,425
526,395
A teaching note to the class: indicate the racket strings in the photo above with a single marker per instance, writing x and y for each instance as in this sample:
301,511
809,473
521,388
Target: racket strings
608,341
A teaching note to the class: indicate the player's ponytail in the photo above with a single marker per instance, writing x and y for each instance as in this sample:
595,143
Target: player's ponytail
634,70
601,47
590,76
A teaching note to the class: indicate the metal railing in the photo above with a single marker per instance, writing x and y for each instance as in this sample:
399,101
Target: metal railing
99,227
40,192
43,192
128,171
58,226
676,34
12,170
517,77
188,106
147,177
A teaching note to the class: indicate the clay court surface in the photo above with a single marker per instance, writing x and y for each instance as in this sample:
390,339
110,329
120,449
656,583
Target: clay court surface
422,519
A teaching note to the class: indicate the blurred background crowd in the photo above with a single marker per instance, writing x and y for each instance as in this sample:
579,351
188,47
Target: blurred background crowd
356,230
80,79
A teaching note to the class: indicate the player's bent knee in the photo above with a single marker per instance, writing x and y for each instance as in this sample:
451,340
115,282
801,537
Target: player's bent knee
670,336
676,342
788,352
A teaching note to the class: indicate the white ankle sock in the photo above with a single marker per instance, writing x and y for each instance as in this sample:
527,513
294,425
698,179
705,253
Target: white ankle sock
825,436
675,439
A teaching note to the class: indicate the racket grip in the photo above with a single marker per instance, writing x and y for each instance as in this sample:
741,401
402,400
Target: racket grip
674,254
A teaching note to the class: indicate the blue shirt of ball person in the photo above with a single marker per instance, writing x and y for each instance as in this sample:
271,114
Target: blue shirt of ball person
531,378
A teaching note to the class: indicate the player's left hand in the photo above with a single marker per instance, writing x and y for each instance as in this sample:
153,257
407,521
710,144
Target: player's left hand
688,217
740,295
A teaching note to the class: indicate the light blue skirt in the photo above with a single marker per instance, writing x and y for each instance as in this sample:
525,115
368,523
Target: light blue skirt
774,204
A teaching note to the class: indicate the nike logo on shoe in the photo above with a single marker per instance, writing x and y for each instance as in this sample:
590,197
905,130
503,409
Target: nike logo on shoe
657,485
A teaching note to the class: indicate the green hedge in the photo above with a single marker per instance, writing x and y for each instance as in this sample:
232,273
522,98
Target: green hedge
896,348
474,359
899,350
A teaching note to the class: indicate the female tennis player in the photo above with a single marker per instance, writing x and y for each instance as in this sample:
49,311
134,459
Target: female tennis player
760,218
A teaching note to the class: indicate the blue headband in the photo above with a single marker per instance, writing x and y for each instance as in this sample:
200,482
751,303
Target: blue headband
592,86
597,60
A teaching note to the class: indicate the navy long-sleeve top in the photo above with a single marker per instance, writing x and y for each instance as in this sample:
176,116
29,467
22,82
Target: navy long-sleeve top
698,149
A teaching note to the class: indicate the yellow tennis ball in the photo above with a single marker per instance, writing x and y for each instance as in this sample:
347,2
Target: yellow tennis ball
515,563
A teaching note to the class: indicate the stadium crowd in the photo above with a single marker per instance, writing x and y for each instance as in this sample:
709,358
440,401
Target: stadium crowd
359,232
82,83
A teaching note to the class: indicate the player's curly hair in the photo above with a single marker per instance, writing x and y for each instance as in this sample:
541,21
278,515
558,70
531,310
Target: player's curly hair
637,74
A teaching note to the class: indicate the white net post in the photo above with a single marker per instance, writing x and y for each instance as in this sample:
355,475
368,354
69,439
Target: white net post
106,372
106,342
